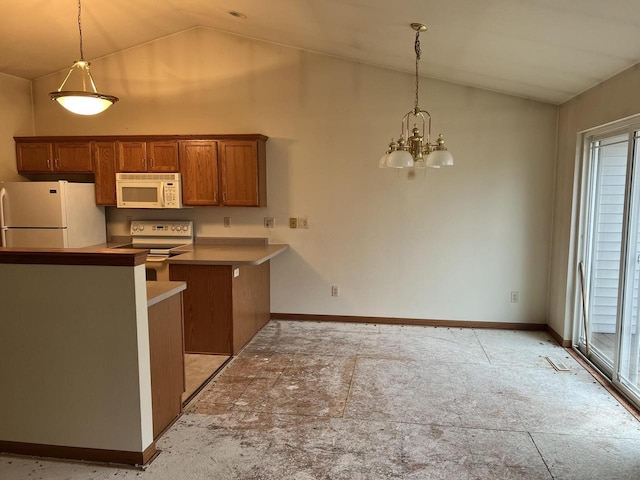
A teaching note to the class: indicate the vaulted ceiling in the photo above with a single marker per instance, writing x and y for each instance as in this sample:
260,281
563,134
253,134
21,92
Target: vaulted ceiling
549,50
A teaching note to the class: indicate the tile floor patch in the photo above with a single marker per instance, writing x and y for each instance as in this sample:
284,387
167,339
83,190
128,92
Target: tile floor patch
312,400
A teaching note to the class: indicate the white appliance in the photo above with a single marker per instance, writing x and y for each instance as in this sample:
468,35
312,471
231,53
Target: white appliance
161,238
50,215
148,190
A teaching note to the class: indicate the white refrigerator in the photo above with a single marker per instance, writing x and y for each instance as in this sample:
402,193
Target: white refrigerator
50,215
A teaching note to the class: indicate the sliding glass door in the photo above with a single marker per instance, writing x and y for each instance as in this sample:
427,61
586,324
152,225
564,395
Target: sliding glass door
629,336
600,271
607,326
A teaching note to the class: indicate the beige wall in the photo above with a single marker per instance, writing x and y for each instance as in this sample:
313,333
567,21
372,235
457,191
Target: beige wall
16,118
617,98
450,245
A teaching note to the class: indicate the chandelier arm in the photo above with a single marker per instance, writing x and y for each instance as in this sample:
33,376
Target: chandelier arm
405,124
67,77
93,84
428,124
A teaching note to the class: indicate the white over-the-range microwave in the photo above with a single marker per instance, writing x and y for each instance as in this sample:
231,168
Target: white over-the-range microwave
148,190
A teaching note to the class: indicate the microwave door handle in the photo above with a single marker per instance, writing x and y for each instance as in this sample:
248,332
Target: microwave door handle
162,187
3,227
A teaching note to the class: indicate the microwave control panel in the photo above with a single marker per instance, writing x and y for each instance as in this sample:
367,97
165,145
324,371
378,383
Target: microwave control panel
172,195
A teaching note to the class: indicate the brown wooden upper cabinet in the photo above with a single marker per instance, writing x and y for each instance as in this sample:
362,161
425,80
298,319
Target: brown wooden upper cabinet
226,172
217,170
47,157
243,173
104,167
199,169
141,156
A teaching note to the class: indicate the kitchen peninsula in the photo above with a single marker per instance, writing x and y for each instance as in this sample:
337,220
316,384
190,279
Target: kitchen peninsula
228,299
82,333
76,362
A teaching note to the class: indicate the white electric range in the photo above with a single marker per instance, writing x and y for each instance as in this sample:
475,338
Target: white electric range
161,238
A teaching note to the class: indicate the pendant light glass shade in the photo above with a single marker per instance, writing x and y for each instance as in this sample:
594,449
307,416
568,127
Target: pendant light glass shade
83,98
439,158
399,159
84,103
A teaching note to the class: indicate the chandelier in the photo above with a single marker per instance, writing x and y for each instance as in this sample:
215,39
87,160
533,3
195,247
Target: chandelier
414,147
86,101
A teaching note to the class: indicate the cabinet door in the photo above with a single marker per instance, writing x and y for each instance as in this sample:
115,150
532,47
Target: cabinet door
199,169
132,156
72,157
166,362
104,161
34,157
239,173
163,157
207,307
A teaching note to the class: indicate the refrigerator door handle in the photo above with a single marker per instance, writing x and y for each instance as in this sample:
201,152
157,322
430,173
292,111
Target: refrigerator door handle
3,227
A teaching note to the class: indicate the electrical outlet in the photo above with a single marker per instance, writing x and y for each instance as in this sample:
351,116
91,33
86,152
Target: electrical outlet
303,222
269,222
334,290
515,296
227,222
293,222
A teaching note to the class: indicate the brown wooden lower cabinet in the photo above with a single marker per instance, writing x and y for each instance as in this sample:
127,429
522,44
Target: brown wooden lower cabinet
224,306
167,361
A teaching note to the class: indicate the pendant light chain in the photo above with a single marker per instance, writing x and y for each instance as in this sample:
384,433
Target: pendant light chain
417,49
80,28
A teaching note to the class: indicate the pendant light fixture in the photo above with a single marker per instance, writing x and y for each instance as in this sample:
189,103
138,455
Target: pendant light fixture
86,101
414,148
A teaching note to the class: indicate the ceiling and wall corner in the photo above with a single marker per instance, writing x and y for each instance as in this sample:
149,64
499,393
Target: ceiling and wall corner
540,49
16,118
423,248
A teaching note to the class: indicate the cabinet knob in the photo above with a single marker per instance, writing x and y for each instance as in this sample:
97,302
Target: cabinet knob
151,162
215,197
224,197
56,162
48,163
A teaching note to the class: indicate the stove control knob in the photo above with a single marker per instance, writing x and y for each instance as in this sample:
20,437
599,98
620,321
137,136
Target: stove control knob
134,227
185,227
141,227
173,227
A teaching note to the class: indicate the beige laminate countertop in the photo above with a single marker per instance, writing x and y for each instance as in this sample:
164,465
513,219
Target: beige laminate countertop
159,291
199,254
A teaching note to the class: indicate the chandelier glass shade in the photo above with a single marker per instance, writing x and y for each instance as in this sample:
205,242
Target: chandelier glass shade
83,98
414,148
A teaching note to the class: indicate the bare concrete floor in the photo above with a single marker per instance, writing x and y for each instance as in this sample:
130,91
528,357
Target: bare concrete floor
343,401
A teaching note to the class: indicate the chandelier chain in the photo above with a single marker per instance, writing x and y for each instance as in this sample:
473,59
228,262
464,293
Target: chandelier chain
80,28
418,52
